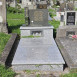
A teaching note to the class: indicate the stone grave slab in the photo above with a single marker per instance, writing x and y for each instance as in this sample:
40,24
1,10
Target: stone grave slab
68,47
30,54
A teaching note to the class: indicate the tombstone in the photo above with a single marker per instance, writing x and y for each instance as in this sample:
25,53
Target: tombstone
40,49
70,6
3,23
71,18
13,3
67,39
58,3
70,27
38,17
75,4
42,5
62,6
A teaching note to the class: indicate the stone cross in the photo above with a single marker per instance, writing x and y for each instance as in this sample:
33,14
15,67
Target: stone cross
3,26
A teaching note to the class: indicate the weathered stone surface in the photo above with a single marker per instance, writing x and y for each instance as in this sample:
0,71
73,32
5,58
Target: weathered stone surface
35,56
69,51
62,30
38,17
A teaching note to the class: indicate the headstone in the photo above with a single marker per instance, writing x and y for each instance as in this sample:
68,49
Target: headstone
3,24
66,6
62,6
42,5
13,3
75,4
70,6
70,18
38,17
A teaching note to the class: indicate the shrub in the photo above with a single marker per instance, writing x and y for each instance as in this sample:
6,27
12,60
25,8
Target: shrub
14,10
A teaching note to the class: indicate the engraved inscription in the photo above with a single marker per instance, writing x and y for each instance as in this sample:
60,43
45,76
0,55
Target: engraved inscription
71,19
38,16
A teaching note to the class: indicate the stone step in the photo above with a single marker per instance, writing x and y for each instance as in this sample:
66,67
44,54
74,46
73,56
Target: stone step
38,75
49,67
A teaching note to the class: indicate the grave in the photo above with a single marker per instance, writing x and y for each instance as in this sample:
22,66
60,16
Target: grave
13,3
65,41
68,25
42,5
3,23
39,52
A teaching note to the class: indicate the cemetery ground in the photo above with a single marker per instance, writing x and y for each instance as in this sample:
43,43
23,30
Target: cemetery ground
15,20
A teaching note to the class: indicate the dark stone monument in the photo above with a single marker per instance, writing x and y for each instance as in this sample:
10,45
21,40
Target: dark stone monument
3,24
38,17
70,18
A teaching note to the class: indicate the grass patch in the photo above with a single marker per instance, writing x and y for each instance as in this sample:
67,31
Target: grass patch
5,72
15,16
14,25
73,73
69,75
30,36
15,20
3,40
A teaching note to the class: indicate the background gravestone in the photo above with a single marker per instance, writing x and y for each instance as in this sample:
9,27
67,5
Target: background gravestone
3,26
62,6
70,18
42,5
70,6
70,27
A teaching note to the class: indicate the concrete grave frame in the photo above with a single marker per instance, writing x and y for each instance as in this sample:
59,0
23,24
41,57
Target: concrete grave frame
7,49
